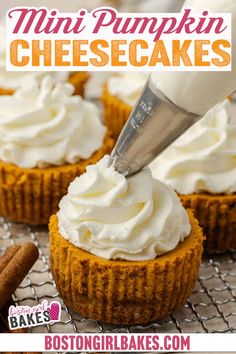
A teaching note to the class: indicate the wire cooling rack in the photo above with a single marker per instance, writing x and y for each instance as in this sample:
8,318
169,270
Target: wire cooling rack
210,309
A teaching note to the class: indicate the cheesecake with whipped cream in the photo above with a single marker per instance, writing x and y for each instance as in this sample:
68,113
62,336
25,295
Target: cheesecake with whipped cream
201,167
123,250
47,138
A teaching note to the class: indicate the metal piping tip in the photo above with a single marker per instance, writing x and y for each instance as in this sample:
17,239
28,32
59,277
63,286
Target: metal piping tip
119,163
154,124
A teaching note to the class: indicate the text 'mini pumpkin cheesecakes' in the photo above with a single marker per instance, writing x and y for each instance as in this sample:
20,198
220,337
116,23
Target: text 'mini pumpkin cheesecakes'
119,96
123,251
201,167
47,137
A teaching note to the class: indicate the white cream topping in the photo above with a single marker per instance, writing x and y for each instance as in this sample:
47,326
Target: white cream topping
113,217
204,158
198,91
16,79
127,86
45,125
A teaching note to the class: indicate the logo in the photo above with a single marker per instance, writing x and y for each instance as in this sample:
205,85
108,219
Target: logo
26,316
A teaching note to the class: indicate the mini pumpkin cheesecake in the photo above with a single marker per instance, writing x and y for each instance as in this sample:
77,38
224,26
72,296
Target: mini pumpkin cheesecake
47,138
123,251
201,167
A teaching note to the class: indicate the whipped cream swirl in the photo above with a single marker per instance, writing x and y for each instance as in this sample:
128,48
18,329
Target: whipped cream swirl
127,86
204,158
114,217
45,125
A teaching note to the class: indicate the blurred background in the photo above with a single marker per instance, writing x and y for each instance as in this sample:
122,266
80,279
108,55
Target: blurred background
73,5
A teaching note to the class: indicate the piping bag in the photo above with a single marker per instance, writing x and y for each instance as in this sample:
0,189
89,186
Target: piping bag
171,103
154,124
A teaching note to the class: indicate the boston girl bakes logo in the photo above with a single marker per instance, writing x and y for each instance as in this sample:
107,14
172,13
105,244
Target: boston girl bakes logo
104,39
26,316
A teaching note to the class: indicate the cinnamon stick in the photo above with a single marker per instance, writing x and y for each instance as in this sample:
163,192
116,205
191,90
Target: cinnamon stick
16,270
7,256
